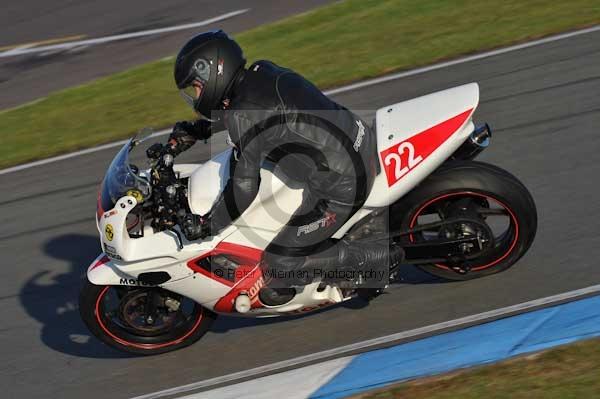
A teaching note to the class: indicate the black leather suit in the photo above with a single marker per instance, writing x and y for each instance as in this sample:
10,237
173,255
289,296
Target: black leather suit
276,115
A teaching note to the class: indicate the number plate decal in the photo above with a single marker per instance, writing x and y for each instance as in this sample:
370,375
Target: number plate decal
400,159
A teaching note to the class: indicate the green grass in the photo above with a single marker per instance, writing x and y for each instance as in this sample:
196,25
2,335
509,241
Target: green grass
568,372
343,42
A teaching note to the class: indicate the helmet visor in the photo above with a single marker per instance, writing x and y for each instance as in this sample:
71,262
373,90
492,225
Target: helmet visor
192,93
198,77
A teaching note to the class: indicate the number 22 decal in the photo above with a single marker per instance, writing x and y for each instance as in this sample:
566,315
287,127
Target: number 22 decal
396,158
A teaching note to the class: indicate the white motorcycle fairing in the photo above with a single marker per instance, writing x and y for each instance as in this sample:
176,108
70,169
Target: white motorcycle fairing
413,139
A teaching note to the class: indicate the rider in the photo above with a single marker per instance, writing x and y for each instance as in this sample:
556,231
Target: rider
328,148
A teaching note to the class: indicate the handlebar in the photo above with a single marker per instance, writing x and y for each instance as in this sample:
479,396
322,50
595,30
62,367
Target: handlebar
169,194
157,150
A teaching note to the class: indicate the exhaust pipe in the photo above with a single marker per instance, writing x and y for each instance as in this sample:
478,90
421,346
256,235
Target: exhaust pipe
478,141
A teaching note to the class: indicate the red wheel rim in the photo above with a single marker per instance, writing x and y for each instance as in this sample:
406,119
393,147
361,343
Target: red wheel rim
512,216
98,314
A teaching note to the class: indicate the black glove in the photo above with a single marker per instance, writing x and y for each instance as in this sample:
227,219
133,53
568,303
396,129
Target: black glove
155,151
195,227
185,134
181,138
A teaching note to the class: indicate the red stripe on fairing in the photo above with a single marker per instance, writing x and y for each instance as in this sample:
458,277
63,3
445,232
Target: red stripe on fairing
102,261
239,253
424,144
250,283
99,210
249,276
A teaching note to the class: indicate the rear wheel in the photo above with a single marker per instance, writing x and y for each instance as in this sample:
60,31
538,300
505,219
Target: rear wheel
477,190
142,320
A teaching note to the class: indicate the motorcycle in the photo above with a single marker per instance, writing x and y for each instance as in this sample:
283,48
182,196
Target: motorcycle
152,291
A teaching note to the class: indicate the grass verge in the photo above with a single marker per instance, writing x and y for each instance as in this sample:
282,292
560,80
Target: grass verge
335,44
571,371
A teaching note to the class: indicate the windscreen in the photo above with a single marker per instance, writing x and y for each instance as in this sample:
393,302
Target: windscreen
122,179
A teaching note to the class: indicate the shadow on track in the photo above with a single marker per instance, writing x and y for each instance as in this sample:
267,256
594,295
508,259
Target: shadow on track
52,300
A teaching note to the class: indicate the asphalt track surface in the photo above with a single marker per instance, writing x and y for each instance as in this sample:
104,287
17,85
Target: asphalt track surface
27,77
544,107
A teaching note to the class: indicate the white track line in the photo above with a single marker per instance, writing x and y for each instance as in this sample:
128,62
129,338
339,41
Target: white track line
106,39
16,50
74,154
374,343
344,89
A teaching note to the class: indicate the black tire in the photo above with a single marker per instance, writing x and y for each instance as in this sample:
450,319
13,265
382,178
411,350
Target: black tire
478,180
91,300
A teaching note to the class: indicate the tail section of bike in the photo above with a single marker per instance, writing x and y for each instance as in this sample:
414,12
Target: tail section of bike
415,137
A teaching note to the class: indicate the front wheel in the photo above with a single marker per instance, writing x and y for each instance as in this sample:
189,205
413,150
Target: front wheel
142,320
491,195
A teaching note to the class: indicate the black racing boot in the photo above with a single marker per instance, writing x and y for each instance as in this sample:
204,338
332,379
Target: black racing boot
368,264
376,262
373,260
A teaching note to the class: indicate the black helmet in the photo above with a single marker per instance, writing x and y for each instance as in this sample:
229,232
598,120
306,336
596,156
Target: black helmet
206,68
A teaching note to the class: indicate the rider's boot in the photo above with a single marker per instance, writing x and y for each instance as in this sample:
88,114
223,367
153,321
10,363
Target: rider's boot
276,293
370,263
376,262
